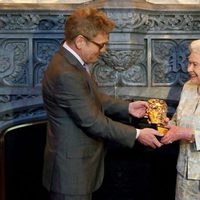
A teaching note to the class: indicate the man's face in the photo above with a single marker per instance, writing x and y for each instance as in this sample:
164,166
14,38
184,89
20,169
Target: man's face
194,67
94,47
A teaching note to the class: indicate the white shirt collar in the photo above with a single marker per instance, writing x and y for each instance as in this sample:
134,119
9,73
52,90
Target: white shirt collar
73,52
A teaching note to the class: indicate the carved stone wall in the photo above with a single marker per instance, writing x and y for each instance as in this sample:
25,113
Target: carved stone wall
146,57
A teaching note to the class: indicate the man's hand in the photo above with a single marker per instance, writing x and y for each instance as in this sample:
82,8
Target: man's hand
138,108
147,137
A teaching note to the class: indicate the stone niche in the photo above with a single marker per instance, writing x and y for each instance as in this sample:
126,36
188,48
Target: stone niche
146,57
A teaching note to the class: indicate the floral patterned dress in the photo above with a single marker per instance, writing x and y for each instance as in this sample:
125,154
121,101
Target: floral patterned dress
188,165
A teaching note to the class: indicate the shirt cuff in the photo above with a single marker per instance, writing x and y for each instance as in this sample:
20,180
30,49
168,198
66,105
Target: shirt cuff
137,133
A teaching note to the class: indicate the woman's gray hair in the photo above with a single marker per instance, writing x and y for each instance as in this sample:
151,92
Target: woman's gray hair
195,46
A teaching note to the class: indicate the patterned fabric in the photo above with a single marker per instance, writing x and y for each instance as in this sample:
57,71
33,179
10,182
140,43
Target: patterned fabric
188,166
187,189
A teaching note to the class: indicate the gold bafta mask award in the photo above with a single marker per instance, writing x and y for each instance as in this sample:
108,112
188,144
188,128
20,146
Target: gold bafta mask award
157,113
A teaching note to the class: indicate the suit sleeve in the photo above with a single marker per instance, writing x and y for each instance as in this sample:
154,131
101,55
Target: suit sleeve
74,94
115,108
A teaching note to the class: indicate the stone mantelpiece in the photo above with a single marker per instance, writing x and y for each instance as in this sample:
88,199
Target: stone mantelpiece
174,1
103,4
146,55
45,1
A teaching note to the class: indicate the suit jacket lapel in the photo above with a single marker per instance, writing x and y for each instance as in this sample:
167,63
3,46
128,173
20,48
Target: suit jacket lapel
70,58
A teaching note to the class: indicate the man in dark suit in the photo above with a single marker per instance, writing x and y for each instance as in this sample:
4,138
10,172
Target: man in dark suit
79,114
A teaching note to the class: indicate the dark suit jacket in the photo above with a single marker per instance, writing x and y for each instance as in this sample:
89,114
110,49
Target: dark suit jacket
78,125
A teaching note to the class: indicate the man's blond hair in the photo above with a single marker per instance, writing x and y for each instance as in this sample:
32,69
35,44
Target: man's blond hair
87,21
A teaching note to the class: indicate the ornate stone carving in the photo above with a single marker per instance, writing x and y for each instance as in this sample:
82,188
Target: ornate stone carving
126,19
31,21
139,53
169,62
10,98
23,115
138,21
14,62
121,68
44,50
4,99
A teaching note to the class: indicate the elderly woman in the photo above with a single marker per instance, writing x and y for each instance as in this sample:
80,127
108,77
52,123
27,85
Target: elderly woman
185,126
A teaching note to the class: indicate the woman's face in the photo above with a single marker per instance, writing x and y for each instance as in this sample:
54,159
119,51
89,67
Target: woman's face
194,67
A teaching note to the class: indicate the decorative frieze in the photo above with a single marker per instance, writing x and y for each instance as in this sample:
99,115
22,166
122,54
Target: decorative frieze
31,21
145,21
126,20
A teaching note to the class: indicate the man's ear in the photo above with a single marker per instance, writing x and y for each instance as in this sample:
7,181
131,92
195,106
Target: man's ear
79,42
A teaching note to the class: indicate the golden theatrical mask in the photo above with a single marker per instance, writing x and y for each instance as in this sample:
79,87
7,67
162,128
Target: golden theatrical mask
157,113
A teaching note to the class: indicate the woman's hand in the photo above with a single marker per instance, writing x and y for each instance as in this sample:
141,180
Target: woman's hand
177,133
